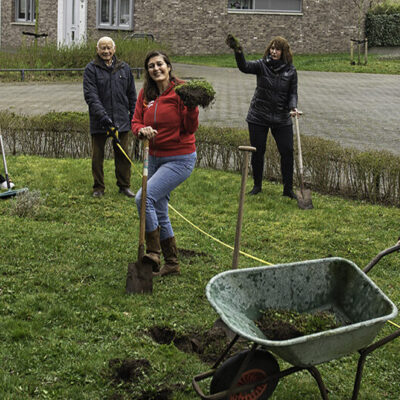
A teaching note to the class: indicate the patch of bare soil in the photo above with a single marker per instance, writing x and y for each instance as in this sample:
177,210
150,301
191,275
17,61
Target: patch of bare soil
131,371
287,324
128,370
188,254
208,345
161,393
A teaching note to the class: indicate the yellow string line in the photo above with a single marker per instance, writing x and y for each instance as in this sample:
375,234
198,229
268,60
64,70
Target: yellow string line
128,158
195,226
217,240
394,324
230,247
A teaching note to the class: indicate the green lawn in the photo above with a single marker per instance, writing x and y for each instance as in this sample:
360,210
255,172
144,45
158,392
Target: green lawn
339,62
64,315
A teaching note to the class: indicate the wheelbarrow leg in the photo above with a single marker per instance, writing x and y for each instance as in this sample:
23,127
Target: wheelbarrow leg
360,367
226,351
363,356
317,376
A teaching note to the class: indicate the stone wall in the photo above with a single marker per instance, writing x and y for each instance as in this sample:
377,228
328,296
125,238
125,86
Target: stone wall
11,31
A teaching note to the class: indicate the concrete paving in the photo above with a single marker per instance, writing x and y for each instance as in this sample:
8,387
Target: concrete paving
357,110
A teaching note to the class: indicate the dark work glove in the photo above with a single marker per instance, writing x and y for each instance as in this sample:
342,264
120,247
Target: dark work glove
233,43
106,122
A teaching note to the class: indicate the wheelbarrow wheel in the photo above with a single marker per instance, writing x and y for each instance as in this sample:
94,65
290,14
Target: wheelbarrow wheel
261,365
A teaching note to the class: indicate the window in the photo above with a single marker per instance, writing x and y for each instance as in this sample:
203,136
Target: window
115,14
25,10
266,5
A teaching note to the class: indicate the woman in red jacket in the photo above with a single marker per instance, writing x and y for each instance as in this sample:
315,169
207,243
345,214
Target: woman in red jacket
162,117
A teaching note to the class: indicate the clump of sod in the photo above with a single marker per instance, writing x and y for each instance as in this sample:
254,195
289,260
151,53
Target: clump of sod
233,43
287,324
196,93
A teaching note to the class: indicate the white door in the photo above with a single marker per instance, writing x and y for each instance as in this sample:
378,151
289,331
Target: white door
71,26
71,21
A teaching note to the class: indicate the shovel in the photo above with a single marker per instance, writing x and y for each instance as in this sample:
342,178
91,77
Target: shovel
303,195
139,278
245,167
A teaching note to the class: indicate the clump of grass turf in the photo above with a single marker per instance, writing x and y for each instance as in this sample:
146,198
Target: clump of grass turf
27,204
288,324
233,43
196,93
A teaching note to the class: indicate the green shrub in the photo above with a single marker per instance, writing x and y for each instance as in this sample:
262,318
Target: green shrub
133,51
382,24
328,168
383,29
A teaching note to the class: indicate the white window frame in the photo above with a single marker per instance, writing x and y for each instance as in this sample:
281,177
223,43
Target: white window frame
248,6
32,4
116,24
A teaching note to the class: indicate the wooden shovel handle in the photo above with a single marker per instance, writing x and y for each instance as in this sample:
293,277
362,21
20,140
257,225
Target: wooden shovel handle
300,154
245,166
142,226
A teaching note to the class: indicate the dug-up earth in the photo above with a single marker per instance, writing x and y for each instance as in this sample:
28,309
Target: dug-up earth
207,346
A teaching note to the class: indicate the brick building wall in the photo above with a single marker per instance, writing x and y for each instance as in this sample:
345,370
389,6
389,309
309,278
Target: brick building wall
200,27
11,31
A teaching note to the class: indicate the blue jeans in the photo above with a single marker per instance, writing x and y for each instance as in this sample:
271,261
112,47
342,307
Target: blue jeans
165,174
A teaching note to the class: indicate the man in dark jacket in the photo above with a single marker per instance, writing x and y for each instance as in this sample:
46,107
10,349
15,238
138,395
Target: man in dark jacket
109,90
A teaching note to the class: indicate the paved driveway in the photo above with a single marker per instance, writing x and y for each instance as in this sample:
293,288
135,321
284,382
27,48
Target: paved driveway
358,110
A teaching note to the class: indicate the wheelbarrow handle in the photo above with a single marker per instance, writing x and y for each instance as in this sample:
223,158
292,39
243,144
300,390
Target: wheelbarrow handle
383,253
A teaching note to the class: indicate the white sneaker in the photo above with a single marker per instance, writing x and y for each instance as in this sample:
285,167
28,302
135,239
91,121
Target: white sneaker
4,185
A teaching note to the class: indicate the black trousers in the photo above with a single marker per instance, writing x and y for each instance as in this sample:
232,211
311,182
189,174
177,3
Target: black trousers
283,136
122,165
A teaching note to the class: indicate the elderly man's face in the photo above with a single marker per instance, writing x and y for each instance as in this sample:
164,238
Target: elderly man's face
106,50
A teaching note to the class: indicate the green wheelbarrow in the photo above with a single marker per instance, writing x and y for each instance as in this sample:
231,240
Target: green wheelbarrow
334,284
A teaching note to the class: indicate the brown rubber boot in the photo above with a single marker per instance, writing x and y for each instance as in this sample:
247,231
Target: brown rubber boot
153,249
170,253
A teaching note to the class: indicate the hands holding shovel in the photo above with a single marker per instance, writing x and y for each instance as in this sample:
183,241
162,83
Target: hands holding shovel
147,133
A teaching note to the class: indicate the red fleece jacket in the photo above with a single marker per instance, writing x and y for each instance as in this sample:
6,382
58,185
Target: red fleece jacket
174,122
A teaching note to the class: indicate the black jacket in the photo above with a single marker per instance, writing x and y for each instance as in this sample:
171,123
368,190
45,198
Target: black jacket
109,91
275,94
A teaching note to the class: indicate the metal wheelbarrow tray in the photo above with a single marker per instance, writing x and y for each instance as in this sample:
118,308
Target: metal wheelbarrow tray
334,284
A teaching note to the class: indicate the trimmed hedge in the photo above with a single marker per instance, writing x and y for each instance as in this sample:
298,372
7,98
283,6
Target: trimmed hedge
328,167
383,29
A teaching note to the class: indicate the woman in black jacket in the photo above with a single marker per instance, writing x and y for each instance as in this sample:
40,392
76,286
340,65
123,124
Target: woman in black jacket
273,104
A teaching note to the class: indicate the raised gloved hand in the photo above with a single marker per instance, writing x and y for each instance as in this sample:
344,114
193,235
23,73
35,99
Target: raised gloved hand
233,43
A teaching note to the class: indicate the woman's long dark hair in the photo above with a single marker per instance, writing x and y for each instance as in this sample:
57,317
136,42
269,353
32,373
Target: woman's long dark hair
282,44
150,88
